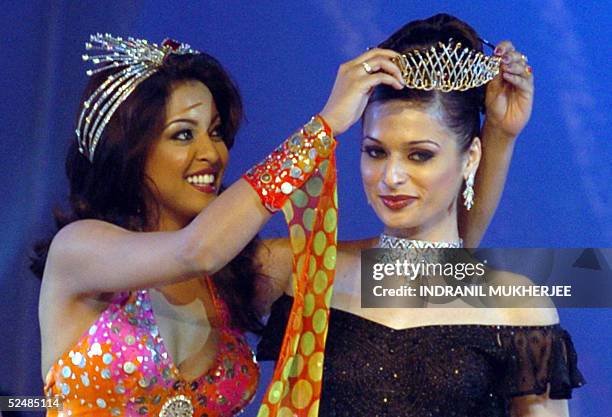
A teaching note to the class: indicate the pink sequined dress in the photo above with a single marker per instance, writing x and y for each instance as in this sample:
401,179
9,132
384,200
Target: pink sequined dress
121,367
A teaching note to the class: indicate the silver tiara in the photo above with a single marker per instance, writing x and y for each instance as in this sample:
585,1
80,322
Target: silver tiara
447,67
140,60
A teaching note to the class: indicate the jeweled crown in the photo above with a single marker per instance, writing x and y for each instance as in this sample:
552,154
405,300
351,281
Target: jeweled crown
140,60
447,67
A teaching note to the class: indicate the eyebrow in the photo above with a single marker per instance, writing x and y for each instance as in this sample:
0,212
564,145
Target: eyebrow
412,142
215,119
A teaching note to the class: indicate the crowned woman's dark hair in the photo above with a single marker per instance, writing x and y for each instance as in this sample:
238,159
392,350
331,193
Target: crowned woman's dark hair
460,109
113,187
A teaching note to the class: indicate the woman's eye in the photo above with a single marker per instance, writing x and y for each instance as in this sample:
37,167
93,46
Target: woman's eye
374,152
216,133
420,156
183,135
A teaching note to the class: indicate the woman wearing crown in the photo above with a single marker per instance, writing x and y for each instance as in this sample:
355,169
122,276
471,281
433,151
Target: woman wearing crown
421,152
139,315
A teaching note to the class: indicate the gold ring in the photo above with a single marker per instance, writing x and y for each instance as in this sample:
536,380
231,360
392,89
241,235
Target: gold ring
524,58
528,70
367,68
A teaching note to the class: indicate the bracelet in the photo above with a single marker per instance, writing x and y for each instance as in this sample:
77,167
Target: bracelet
290,165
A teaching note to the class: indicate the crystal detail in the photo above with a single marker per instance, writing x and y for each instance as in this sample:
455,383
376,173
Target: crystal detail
393,242
140,60
177,406
447,67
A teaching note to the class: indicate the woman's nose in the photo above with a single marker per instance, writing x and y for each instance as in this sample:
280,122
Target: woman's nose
206,149
395,174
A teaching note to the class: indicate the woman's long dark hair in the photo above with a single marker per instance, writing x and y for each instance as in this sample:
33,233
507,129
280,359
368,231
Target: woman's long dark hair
460,109
113,187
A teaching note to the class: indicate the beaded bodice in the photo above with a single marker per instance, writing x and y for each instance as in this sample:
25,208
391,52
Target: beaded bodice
437,370
121,367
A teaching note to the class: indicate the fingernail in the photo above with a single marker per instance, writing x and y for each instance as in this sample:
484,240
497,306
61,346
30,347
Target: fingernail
498,51
506,58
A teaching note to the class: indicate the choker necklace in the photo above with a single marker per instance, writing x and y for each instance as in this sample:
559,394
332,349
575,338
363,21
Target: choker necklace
412,251
392,242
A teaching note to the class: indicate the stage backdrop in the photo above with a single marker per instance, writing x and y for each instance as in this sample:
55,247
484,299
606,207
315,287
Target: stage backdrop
284,56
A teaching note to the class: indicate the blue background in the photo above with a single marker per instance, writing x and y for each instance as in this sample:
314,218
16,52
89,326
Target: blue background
284,57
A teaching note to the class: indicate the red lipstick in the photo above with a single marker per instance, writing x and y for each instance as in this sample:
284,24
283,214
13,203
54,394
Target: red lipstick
202,187
397,202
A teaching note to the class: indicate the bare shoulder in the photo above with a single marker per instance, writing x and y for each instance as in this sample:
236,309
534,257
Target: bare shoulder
70,240
73,236
533,311
71,248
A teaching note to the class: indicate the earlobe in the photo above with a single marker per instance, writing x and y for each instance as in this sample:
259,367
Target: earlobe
474,155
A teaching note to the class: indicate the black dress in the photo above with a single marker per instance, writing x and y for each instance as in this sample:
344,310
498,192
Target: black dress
437,370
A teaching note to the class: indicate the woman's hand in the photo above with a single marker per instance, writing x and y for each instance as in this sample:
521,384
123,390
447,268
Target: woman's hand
354,83
509,97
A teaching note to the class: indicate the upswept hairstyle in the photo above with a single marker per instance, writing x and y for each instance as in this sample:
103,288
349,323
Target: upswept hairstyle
460,109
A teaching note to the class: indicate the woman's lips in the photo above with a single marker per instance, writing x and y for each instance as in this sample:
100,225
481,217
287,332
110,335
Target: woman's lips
397,202
205,188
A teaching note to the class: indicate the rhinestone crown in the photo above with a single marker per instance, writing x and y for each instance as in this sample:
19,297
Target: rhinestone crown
447,67
140,60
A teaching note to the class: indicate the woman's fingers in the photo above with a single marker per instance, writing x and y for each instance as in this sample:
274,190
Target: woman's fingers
382,78
520,82
503,47
380,64
514,66
353,86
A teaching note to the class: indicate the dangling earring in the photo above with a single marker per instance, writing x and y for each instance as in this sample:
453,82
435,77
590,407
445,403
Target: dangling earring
468,193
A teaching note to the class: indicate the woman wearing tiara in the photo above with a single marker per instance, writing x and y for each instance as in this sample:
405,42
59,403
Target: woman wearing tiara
420,149
139,314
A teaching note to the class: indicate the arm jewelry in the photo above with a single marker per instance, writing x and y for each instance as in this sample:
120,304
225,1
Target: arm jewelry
291,164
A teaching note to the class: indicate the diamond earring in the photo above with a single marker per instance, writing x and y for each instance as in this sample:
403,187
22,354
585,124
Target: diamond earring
468,193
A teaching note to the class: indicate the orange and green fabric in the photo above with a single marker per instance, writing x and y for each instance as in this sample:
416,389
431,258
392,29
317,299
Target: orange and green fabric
312,217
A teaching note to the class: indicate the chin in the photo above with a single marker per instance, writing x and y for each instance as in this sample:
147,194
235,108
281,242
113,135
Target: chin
403,219
399,222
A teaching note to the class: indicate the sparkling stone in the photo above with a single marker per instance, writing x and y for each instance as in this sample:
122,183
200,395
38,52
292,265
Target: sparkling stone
95,350
287,164
171,43
295,172
286,188
177,406
76,358
85,379
129,367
